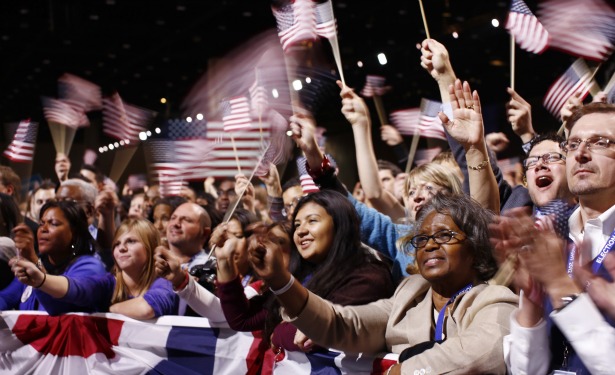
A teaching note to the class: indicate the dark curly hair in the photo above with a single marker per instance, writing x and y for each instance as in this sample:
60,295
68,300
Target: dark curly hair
472,219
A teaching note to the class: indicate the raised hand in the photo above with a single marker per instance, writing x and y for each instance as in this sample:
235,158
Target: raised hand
26,272
519,115
467,126
303,128
272,181
435,60
105,203
168,266
573,103
497,141
267,260
353,106
390,135
24,242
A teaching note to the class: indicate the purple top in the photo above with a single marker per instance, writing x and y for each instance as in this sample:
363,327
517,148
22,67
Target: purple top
97,292
12,295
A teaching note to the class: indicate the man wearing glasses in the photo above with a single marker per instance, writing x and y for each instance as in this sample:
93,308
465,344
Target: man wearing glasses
545,171
576,337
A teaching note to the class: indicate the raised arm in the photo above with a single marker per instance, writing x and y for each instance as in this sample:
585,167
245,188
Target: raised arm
519,114
467,129
356,112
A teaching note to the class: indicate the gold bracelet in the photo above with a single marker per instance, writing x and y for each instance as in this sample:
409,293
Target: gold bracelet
483,164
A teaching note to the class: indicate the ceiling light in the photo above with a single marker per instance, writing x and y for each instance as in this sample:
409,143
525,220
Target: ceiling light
495,22
382,59
275,93
199,116
142,136
163,100
455,35
360,64
188,119
297,85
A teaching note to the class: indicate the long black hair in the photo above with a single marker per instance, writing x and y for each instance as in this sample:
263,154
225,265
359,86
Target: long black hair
345,253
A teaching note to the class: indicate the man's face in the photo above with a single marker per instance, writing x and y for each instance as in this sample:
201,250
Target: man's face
91,177
547,181
387,180
41,197
591,173
226,192
184,227
62,166
291,197
73,193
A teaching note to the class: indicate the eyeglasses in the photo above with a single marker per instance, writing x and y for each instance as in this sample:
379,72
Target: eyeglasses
594,144
440,237
548,158
290,206
229,193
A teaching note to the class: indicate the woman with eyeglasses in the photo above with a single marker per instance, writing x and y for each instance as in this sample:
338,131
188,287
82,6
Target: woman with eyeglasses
446,319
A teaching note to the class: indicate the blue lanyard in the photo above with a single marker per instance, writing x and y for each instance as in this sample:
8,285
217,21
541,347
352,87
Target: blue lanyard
440,321
608,246
597,262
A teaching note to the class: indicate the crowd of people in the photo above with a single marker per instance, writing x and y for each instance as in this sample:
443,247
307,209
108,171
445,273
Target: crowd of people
449,266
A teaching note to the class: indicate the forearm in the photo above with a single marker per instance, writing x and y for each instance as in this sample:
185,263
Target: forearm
55,286
483,185
136,308
106,226
202,301
592,337
366,161
526,349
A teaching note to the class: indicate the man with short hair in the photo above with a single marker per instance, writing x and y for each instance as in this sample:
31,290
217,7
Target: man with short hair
187,235
576,336
62,166
226,193
46,192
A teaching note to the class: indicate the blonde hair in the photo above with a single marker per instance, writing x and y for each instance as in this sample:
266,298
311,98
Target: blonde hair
436,173
149,237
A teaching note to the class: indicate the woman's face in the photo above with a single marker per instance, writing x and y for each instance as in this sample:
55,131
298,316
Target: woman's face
420,193
241,251
314,232
130,253
54,233
162,214
449,262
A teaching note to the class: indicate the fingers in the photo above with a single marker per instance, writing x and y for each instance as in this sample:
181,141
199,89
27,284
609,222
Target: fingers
444,118
346,92
476,100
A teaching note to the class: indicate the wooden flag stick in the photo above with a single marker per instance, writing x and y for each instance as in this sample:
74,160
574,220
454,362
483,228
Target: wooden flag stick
610,84
229,213
337,56
236,155
380,109
424,19
413,146
512,61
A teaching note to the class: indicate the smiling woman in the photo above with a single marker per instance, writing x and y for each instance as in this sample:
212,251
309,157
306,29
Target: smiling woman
132,289
445,320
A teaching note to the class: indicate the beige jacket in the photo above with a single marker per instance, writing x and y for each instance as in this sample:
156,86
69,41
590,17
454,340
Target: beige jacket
480,319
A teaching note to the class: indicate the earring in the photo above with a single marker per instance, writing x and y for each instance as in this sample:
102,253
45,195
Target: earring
74,251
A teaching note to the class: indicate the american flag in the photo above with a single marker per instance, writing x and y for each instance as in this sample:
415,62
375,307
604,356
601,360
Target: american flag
197,159
259,98
236,113
181,129
296,23
423,121
22,147
425,156
582,28
326,26
124,121
525,27
576,78
307,183
374,85
59,111
79,92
